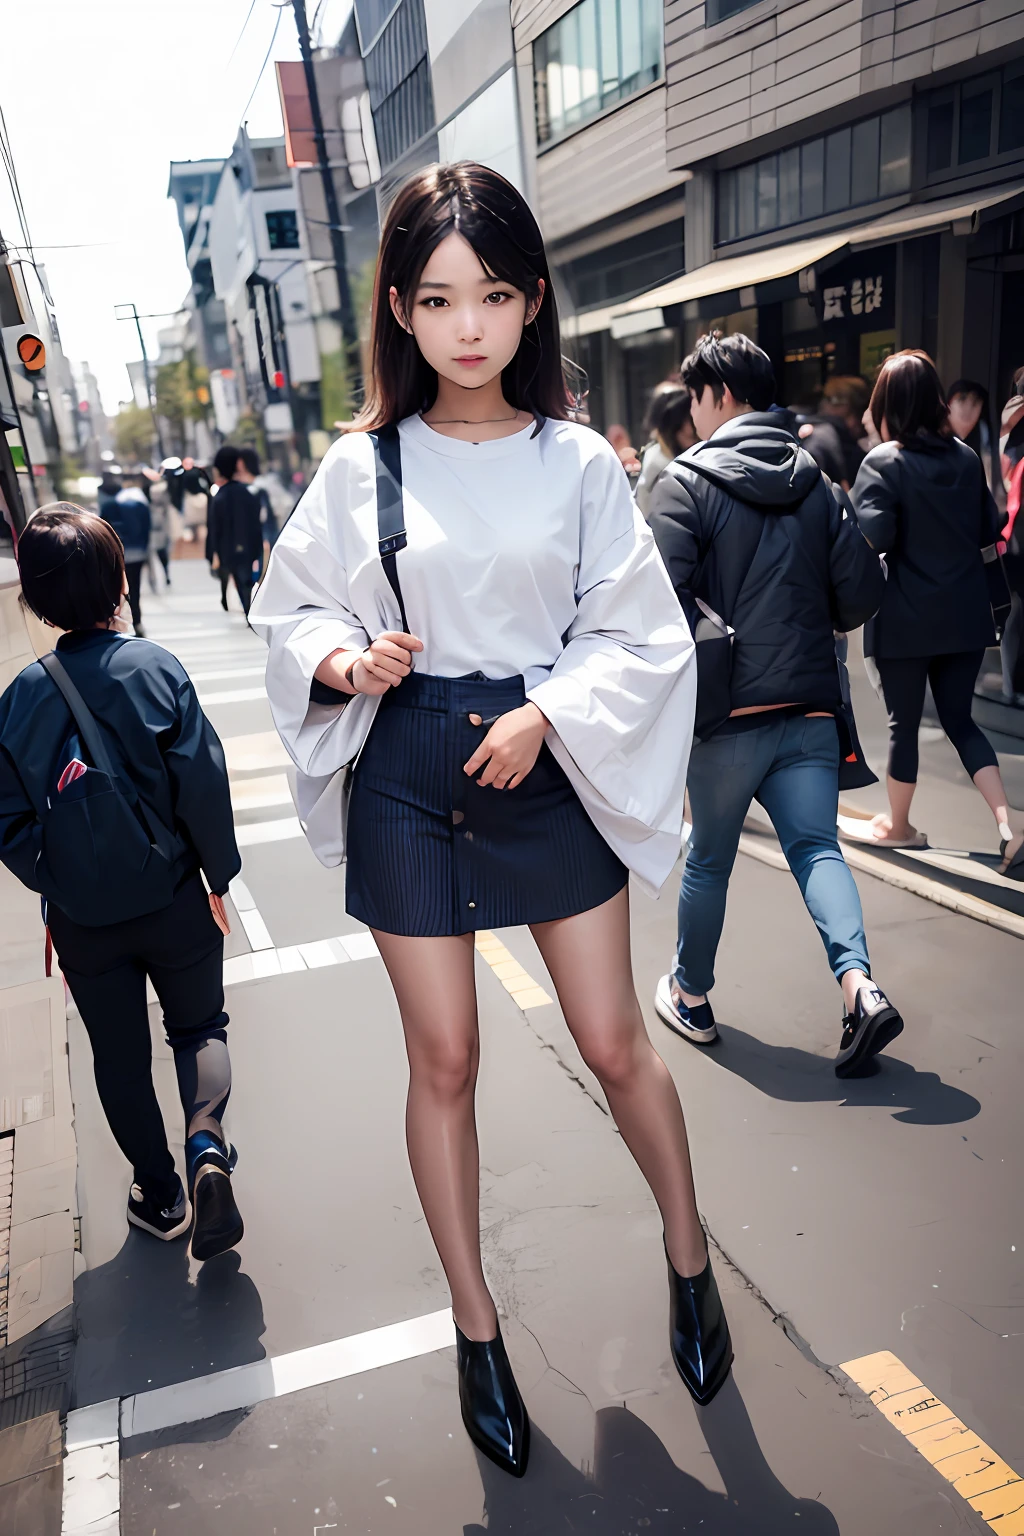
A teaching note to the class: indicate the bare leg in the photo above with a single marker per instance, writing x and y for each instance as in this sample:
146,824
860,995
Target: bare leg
990,783
897,824
433,981
589,961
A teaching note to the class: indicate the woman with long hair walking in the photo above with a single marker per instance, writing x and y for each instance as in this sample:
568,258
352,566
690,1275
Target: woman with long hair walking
477,663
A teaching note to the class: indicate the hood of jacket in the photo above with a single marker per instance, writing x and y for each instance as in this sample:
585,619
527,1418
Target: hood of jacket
756,460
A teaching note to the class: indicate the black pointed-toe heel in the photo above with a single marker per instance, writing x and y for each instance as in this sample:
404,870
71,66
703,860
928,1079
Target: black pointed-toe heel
699,1333
492,1409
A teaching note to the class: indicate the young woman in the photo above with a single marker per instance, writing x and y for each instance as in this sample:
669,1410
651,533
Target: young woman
160,748
921,499
518,746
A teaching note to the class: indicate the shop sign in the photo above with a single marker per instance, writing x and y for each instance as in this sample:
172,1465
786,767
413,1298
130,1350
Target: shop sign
860,293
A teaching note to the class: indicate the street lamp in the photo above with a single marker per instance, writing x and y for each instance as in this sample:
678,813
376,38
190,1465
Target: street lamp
130,312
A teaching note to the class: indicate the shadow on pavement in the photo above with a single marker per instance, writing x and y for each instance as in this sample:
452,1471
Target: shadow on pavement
143,1322
635,1485
800,1077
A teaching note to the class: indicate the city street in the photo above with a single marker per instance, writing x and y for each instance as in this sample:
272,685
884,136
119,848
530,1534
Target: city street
270,1390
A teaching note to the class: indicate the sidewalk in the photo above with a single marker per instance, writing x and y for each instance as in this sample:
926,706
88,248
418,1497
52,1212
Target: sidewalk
960,867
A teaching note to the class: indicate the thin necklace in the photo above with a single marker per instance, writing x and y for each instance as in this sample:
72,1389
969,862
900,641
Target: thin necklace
458,421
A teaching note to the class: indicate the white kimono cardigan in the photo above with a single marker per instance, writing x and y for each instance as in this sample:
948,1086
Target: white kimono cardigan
620,696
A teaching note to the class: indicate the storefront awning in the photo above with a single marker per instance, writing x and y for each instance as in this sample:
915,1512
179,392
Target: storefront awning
743,274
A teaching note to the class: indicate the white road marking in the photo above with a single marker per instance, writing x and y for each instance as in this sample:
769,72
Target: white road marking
256,794
232,696
223,676
243,1386
92,1475
298,957
267,831
261,749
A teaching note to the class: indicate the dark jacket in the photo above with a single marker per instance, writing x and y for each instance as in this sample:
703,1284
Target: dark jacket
156,734
233,527
927,508
745,522
129,515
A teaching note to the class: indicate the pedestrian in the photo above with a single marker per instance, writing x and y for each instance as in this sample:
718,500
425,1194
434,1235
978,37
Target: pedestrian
127,512
752,533
519,753
922,500
250,460
161,513
114,803
1011,463
234,538
672,432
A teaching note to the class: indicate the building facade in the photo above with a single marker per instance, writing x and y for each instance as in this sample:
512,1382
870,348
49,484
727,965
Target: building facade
592,93
856,182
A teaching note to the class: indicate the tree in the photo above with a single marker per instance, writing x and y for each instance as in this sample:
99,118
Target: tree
182,394
134,434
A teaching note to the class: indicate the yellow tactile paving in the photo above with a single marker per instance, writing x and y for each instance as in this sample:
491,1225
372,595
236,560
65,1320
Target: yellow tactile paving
978,1474
518,983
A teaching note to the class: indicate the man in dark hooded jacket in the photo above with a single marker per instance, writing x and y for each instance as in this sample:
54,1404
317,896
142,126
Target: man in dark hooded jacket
750,530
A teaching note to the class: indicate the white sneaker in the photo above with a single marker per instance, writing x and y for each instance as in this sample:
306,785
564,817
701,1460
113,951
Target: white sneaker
696,1023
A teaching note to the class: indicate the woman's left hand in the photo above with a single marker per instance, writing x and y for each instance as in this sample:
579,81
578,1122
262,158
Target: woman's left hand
510,748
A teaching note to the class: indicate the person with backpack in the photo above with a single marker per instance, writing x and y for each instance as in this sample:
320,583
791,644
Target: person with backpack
758,542
114,803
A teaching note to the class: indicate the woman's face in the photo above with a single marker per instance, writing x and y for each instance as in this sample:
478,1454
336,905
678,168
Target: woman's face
964,414
467,325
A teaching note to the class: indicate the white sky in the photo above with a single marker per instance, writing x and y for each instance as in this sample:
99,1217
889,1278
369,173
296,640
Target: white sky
99,97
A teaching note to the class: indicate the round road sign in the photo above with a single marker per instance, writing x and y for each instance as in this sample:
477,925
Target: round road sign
32,352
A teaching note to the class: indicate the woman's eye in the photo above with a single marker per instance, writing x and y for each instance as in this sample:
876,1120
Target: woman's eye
497,298
435,301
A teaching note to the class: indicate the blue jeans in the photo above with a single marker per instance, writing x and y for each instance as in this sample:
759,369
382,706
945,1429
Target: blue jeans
791,767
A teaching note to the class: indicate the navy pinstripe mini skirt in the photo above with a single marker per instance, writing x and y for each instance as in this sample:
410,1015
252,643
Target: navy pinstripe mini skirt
432,853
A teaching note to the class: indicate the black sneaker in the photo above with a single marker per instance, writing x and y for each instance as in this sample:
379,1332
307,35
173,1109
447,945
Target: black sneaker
871,1026
165,1222
218,1224
696,1024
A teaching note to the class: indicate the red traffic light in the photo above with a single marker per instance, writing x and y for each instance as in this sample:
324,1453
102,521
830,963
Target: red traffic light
278,379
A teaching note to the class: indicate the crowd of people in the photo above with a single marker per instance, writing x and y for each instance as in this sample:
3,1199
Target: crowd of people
497,683
153,512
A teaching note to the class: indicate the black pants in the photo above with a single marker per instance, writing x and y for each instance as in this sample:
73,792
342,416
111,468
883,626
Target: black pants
182,950
243,580
952,680
133,572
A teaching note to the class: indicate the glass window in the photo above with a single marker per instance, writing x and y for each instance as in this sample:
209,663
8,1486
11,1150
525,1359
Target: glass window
746,220
767,193
812,179
789,185
283,229
864,174
894,154
940,136
726,207
1011,113
837,170
975,124
598,53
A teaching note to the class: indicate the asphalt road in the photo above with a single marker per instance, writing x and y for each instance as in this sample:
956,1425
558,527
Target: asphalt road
848,1219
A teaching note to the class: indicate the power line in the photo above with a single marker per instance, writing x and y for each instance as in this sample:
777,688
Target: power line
241,34
266,60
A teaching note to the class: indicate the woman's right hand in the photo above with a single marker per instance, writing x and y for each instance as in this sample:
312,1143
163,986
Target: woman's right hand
384,663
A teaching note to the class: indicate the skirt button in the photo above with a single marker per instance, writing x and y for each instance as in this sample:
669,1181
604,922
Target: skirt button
471,905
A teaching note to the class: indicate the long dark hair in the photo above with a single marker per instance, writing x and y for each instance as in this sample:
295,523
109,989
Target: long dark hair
908,397
475,202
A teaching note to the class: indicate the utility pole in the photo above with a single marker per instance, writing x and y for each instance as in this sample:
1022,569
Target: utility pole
349,331
133,314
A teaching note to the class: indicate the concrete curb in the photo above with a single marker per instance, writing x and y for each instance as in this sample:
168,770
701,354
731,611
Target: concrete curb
946,896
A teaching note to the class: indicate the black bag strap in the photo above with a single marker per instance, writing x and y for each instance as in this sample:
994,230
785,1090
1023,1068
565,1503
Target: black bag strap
749,553
96,747
387,455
